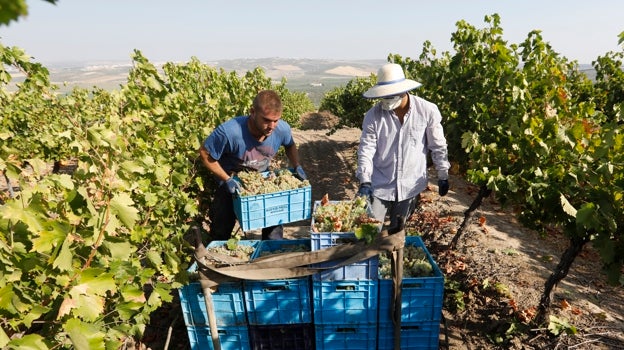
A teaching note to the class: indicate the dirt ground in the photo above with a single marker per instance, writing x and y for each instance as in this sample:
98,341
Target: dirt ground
494,278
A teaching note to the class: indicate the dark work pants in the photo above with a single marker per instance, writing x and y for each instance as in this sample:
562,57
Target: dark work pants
223,218
221,214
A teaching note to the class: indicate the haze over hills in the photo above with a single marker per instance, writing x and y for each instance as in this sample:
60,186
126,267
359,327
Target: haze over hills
313,76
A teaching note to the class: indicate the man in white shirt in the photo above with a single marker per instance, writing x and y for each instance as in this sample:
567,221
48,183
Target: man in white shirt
397,134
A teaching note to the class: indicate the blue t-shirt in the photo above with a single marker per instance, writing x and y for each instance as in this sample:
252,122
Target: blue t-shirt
233,146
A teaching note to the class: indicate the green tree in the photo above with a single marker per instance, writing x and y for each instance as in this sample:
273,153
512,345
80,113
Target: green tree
609,94
347,102
295,105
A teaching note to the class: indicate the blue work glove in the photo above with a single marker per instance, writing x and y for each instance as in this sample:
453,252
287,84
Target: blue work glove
365,190
443,187
300,173
232,185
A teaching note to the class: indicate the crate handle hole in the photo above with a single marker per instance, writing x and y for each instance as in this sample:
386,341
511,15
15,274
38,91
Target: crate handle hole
345,287
275,288
345,330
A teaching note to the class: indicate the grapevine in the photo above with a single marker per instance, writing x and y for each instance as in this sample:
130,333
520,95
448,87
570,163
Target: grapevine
91,241
78,251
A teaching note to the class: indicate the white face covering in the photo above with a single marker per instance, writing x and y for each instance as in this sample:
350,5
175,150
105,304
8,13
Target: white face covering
390,103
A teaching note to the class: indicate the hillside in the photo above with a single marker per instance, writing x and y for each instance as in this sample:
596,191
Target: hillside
313,76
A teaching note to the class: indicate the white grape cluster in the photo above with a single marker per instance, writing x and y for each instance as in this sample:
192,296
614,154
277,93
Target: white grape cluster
415,263
242,252
340,216
255,183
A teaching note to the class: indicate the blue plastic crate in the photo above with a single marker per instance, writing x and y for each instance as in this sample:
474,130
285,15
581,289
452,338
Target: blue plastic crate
364,270
421,297
282,337
414,336
227,300
227,297
278,301
345,337
231,338
345,302
270,209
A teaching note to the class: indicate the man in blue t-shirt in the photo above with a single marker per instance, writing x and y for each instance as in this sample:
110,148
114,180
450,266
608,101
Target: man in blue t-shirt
246,143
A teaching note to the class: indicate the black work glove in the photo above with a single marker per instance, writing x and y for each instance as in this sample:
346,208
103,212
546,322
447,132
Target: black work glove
365,190
443,187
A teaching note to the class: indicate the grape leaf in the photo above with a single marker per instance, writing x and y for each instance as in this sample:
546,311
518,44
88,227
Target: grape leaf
122,206
84,336
367,232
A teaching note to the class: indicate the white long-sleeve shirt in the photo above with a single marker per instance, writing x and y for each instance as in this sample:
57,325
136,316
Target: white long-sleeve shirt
393,157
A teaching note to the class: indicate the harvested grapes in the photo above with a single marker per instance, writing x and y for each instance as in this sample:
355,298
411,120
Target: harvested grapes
345,216
255,183
290,248
235,250
415,263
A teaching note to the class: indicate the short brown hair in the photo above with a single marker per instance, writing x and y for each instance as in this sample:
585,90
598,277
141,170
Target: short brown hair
267,101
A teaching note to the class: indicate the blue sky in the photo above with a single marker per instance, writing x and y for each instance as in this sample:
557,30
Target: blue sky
109,30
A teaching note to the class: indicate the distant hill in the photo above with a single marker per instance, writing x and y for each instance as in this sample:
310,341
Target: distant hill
313,76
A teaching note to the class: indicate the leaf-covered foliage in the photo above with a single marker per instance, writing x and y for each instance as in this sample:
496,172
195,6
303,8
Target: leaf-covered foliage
87,256
347,102
296,104
528,124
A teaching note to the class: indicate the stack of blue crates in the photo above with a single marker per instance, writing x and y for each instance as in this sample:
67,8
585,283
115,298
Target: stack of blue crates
345,298
344,308
421,308
279,311
229,306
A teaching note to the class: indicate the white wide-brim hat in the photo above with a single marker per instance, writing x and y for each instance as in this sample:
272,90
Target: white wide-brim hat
390,81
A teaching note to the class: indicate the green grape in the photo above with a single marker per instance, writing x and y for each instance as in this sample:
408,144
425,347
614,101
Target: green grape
255,183
344,216
242,252
415,263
